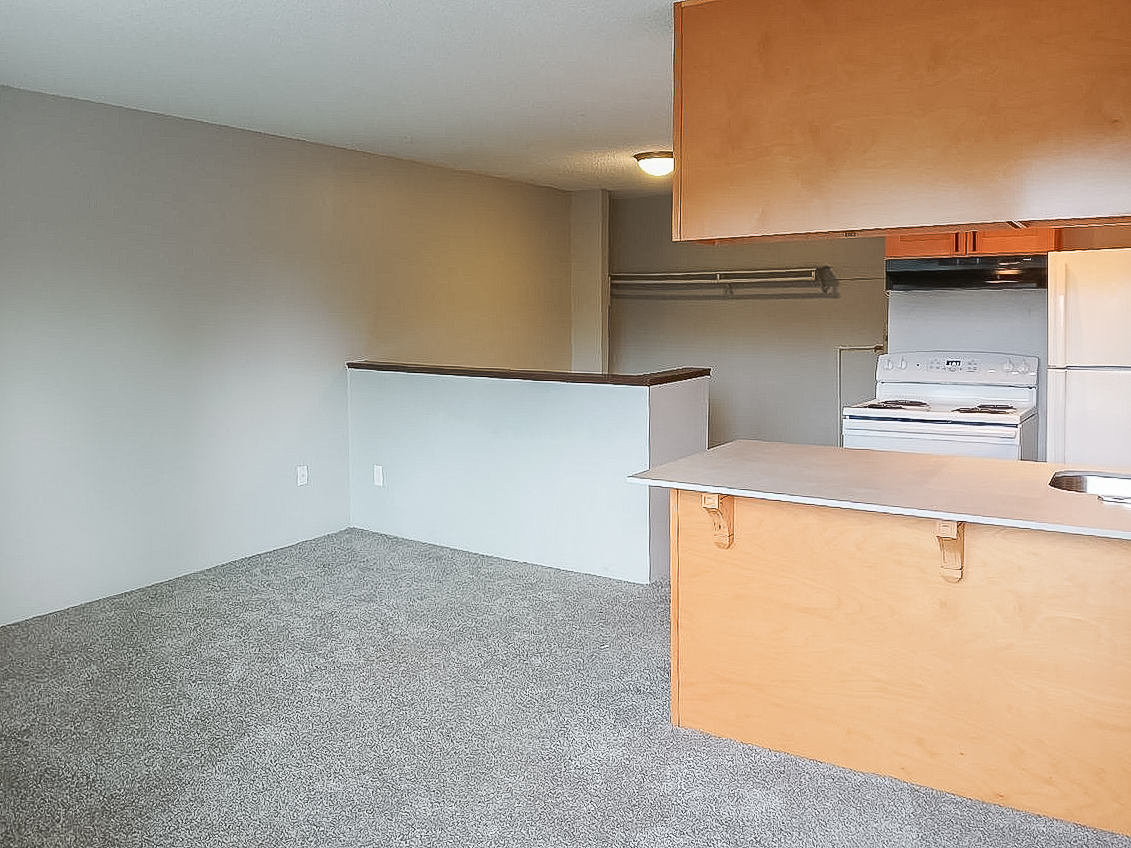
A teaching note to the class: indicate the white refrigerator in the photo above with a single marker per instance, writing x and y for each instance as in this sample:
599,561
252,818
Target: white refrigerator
1089,358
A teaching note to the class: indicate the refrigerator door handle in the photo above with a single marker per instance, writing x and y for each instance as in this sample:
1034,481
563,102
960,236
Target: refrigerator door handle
1057,411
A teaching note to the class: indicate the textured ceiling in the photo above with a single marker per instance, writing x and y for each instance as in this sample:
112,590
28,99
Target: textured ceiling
544,91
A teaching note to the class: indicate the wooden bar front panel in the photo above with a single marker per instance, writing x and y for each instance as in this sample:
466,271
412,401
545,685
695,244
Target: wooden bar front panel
830,633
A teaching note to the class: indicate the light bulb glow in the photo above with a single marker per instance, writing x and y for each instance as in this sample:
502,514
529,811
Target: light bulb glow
658,163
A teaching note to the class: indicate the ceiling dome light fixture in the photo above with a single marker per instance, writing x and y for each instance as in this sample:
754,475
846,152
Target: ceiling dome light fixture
658,163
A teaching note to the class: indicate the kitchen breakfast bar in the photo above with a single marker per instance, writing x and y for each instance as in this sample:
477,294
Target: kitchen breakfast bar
950,621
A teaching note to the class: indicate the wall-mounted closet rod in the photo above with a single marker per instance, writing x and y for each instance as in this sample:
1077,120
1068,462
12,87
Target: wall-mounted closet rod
715,285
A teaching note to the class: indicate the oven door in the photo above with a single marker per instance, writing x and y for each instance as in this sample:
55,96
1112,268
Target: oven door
992,441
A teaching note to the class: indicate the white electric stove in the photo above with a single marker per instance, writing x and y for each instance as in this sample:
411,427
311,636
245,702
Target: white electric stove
956,403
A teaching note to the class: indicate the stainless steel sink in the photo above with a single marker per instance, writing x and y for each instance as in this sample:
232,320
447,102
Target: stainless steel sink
1110,488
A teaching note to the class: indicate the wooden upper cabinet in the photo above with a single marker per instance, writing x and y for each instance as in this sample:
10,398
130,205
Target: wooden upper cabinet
825,116
973,243
1030,240
914,245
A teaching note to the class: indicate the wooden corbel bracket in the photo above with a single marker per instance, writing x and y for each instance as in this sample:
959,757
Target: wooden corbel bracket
721,510
951,544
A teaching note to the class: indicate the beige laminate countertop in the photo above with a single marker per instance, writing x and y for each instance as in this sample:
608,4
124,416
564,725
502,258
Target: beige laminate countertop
983,491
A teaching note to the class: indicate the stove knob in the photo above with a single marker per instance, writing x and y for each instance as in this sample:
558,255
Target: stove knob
1009,367
903,365
1023,368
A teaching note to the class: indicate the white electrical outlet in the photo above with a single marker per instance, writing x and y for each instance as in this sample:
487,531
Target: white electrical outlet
378,475
302,477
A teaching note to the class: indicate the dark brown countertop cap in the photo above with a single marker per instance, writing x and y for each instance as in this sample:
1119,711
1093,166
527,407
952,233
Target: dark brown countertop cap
656,378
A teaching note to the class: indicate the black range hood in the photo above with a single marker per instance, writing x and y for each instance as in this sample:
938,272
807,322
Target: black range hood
968,272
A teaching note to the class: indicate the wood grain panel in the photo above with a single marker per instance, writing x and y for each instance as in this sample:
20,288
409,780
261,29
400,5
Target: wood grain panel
1029,240
819,116
973,242
673,525
922,244
830,634
677,115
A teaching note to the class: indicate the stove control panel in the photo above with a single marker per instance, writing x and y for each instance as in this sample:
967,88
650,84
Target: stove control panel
958,367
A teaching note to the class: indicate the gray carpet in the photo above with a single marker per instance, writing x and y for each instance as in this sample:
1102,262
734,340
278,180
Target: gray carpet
362,690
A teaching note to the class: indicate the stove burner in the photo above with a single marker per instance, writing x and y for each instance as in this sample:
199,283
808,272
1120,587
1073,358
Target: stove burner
894,404
990,408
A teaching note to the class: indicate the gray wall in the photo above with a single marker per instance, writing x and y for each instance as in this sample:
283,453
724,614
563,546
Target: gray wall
177,301
773,361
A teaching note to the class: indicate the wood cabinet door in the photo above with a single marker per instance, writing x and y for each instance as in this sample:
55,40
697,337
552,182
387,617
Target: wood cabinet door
972,243
913,245
835,116
1030,240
